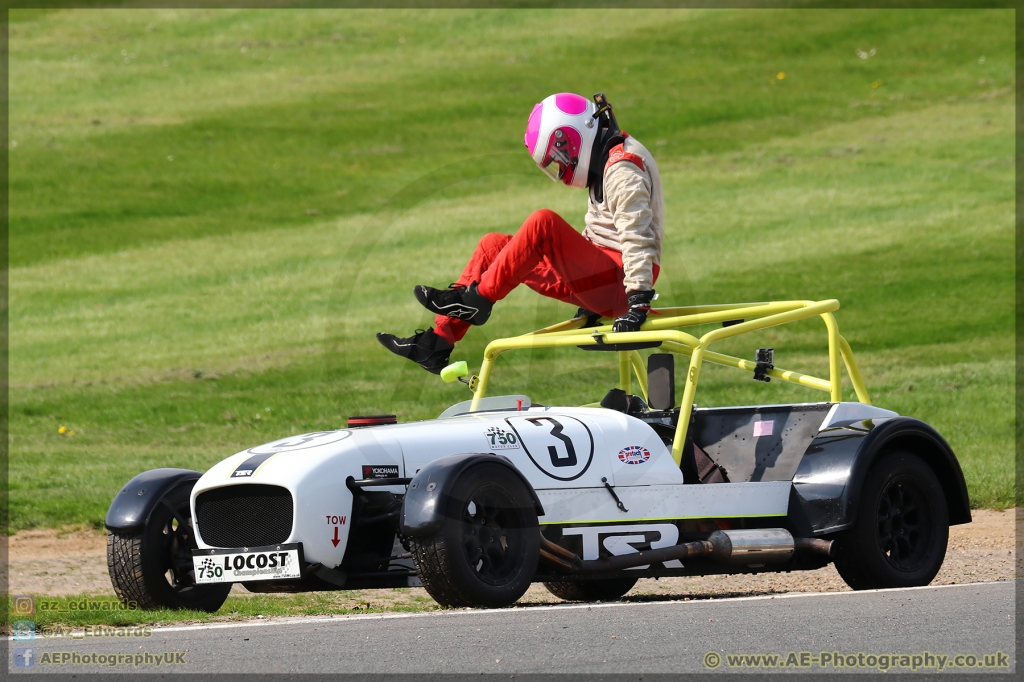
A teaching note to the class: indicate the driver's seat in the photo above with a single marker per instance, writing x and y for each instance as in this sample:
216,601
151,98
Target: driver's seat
620,401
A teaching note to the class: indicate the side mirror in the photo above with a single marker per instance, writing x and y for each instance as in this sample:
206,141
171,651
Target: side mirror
455,371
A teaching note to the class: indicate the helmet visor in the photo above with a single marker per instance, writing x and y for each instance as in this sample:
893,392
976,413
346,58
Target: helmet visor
556,163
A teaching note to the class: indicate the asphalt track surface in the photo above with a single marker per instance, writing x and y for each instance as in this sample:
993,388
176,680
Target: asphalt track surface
632,639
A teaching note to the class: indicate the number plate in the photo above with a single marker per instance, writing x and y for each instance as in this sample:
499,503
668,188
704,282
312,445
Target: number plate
274,562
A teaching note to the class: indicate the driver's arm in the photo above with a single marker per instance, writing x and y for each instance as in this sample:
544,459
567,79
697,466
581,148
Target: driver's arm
628,189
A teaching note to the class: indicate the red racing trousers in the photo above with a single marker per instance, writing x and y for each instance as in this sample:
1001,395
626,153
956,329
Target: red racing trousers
550,257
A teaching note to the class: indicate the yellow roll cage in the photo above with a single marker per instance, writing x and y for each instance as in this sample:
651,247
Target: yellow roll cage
664,327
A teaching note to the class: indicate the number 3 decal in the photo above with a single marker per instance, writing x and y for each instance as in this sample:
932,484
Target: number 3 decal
562,447
556,430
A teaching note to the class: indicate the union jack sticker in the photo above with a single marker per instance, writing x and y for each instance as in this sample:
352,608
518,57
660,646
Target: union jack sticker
634,454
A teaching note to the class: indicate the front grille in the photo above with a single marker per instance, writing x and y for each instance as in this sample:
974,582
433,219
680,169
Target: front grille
247,515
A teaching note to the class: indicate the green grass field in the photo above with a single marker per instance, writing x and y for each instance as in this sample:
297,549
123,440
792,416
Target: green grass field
211,213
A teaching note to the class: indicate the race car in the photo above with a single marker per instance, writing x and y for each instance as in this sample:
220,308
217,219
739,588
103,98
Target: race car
499,492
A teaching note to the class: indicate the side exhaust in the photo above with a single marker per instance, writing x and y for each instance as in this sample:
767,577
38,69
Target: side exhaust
816,545
740,547
761,546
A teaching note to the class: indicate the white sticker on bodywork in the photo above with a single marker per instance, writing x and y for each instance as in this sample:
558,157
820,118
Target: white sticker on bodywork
619,540
763,428
500,439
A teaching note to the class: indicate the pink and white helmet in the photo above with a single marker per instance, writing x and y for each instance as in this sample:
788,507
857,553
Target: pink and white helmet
560,135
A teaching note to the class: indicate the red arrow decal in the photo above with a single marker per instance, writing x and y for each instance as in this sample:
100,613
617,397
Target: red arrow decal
336,540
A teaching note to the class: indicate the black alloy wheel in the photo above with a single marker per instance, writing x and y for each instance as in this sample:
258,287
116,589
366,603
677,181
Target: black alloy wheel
899,538
153,566
903,531
486,551
493,551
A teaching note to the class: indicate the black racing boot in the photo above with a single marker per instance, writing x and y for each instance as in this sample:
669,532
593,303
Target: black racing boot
425,348
593,319
462,303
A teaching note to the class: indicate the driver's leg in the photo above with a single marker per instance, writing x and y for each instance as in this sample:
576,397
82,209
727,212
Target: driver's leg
452,329
552,258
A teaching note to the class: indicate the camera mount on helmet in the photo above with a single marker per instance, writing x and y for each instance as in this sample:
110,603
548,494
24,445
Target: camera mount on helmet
604,109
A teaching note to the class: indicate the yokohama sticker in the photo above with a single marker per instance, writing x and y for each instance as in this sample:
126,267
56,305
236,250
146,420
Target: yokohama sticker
380,471
634,454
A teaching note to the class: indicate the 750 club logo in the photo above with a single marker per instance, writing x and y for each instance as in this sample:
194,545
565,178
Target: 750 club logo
209,569
500,439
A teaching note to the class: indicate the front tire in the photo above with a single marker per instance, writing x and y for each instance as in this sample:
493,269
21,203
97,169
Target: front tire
486,551
902,527
592,590
153,567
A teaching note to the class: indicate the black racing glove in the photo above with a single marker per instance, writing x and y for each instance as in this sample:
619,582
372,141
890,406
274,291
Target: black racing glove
639,306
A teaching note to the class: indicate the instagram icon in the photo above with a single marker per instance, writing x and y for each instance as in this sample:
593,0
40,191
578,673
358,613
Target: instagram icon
23,605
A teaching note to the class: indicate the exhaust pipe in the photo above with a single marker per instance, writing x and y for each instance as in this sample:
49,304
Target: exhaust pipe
816,545
567,562
558,556
761,546
686,550
738,547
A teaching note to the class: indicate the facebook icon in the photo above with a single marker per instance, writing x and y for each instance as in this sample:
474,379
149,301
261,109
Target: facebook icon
24,657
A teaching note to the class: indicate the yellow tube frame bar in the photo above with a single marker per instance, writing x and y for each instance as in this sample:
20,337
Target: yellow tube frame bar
662,327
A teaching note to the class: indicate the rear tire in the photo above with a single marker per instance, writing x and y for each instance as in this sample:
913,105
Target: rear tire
153,566
592,590
486,551
902,527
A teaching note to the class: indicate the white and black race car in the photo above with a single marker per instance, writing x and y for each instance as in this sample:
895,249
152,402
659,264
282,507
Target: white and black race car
498,492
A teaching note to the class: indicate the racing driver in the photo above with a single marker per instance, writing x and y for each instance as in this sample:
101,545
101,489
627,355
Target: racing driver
607,271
